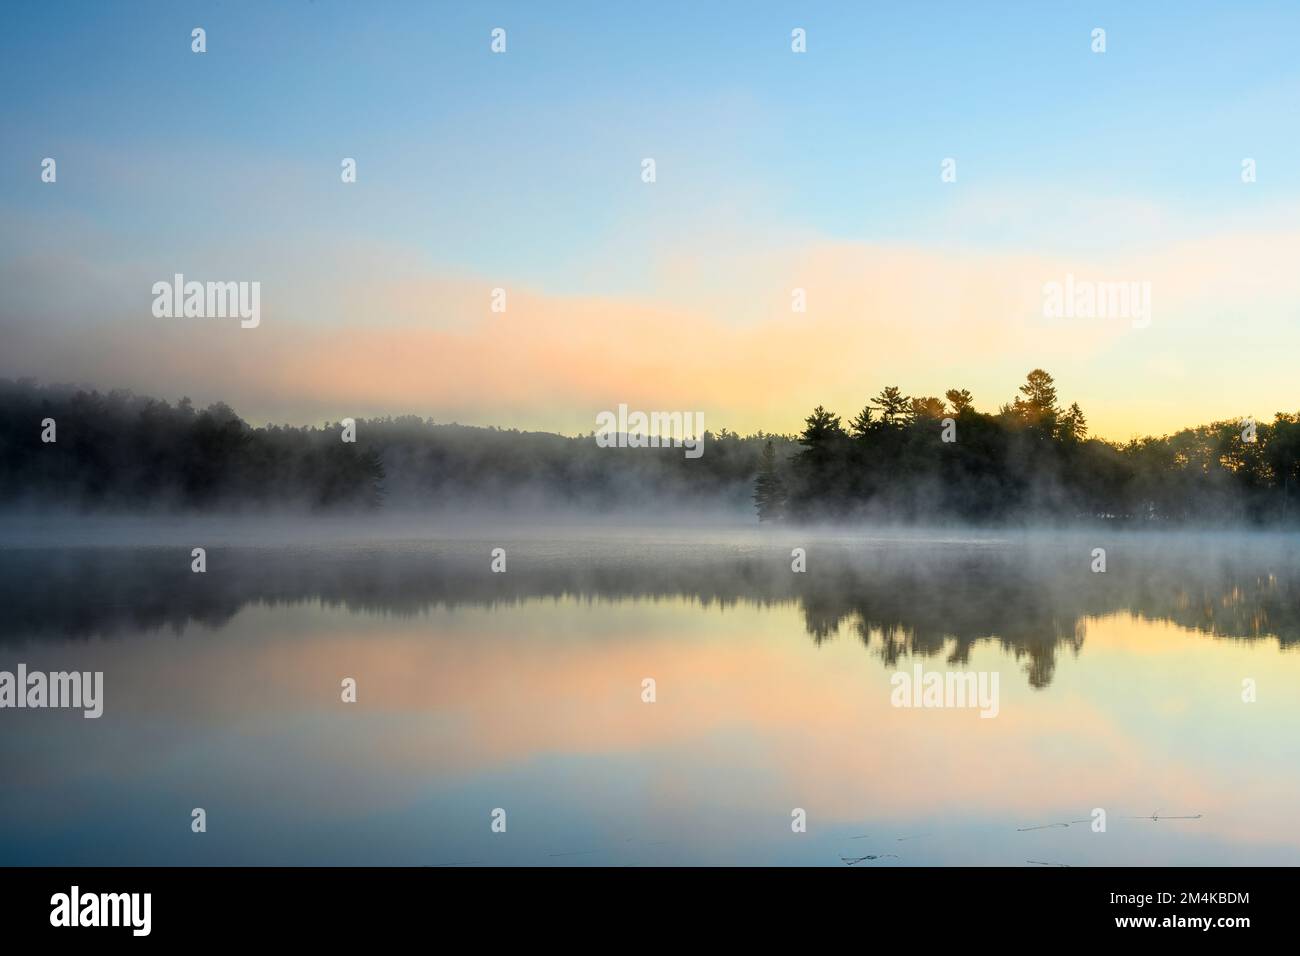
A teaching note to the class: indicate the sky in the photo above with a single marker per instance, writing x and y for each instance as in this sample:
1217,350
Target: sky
774,171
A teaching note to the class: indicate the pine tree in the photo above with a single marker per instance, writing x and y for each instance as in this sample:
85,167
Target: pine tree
1038,407
864,424
893,405
927,407
1074,427
821,427
960,399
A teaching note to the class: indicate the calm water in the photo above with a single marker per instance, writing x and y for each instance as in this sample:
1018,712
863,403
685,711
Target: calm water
523,691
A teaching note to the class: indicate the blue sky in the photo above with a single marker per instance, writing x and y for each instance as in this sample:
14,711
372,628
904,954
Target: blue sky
522,169
844,140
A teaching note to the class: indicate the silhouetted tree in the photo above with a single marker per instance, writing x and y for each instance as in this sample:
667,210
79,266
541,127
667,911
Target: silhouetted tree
927,408
821,426
959,399
1074,427
893,405
1038,407
863,424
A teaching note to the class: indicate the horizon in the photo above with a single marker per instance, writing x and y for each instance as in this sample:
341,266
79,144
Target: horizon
594,430
776,171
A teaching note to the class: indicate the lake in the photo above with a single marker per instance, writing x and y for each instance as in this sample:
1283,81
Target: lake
519,700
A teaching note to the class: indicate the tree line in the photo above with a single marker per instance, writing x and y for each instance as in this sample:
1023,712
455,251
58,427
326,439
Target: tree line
925,458
120,451
901,458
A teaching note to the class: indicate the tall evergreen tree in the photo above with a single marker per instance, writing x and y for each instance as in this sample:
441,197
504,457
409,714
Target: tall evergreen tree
1074,427
893,405
820,427
1038,407
863,424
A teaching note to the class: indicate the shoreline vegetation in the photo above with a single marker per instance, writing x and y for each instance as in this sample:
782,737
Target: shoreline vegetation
900,460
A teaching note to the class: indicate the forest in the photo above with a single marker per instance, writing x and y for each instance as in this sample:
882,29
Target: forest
924,458
900,458
123,452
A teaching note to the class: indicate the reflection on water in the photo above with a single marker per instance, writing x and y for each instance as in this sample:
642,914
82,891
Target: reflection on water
522,691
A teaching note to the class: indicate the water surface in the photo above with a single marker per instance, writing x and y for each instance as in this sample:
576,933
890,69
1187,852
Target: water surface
523,691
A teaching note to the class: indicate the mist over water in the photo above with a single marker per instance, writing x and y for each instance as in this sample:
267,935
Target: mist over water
523,690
